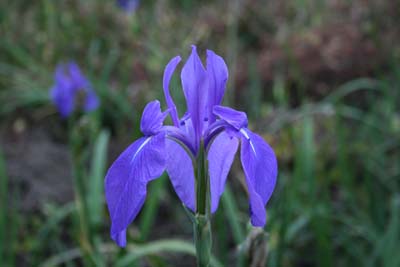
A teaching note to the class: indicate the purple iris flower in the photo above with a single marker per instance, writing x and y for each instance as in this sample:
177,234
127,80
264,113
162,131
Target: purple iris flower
69,83
174,148
128,5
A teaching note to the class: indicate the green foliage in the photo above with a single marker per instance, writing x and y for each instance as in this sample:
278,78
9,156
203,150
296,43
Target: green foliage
8,218
151,208
95,192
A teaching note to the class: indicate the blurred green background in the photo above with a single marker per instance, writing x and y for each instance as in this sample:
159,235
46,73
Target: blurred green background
318,78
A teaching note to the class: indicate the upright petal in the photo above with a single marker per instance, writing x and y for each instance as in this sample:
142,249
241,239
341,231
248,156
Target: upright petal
217,72
128,5
62,94
181,173
220,157
80,82
186,125
61,75
168,72
260,168
236,119
152,118
127,178
195,83
63,101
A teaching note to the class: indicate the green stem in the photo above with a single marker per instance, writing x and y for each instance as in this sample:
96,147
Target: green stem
201,183
201,222
77,147
202,239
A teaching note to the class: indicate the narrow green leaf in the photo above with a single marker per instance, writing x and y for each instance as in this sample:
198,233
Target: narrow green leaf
161,246
231,213
8,218
134,252
254,98
95,190
150,209
3,208
351,87
60,214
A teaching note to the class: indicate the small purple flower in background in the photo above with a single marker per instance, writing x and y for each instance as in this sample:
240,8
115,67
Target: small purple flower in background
206,126
128,5
69,82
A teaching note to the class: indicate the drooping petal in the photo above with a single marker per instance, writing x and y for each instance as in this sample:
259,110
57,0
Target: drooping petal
152,118
127,178
258,215
195,84
62,100
236,119
220,157
120,238
168,72
62,94
260,169
217,72
181,173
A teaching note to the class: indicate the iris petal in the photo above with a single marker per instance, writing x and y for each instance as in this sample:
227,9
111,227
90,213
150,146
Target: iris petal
80,82
152,118
261,169
237,119
217,72
62,101
62,75
76,76
220,157
168,72
127,178
62,93
128,5
181,173
195,83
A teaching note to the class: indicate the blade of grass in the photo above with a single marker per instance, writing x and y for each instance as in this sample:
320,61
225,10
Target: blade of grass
3,209
221,235
385,249
278,90
60,214
351,87
134,252
231,213
162,246
8,218
305,175
150,209
254,94
95,189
